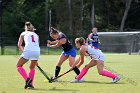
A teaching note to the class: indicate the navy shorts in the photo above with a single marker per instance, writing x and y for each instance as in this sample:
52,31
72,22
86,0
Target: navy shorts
93,44
71,52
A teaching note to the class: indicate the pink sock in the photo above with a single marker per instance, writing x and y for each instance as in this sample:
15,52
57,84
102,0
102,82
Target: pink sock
31,75
22,72
108,74
82,73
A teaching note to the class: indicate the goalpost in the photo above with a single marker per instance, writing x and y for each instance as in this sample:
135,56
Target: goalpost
120,42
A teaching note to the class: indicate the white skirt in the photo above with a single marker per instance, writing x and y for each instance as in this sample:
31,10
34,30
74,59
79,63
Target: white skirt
31,55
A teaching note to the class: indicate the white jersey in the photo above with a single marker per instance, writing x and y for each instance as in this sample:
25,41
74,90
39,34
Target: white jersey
95,53
31,40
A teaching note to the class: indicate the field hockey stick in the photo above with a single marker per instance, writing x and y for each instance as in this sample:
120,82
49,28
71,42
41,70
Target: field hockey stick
50,23
50,20
42,71
60,75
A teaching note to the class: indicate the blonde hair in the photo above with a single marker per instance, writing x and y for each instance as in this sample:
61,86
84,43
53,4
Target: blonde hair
80,40
29,27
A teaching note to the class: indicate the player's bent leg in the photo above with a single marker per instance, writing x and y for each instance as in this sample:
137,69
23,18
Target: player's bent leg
71,62
21,61
76,70
89,65
83,72
101,71
80,76
62,58
20,69
32,72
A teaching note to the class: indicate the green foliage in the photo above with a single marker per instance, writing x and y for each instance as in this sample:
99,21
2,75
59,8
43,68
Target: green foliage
133,16
108,16
16,13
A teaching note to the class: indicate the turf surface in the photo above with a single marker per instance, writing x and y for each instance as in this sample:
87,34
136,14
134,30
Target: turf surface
127,66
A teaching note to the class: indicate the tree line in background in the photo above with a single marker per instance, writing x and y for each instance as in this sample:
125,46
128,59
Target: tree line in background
73,17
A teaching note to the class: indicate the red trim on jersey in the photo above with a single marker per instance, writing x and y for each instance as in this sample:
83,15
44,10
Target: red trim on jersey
94,47
33,39
99,57
89,54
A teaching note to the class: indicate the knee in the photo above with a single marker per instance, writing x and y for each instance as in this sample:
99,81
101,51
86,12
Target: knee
70,65
87,66
32,67
59,64
19,65
100,72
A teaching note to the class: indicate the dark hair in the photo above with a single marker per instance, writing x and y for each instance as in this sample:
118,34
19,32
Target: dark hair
54,31
29,26
80,40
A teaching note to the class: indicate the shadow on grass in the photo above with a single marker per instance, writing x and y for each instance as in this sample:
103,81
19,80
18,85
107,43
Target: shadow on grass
54,89
103,82
93,82
113,62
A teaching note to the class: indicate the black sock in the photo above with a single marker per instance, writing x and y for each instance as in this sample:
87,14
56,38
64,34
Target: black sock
76,70
57,70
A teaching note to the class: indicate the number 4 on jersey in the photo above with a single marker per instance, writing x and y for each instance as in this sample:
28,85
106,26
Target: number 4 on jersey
33,39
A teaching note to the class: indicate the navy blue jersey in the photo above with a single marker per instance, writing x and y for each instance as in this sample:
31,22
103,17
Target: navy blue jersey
94,40
67,46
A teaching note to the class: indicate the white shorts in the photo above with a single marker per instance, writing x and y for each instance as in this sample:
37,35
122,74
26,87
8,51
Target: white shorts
99,57
31,55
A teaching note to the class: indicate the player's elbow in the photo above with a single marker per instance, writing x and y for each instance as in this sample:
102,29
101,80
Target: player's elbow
19,45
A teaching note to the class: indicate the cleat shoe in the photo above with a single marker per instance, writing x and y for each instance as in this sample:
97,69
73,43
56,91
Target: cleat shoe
82,80
30,86
27,83
56,80
116,79
76,81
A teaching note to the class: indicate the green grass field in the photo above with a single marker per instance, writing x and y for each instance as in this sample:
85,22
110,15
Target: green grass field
128,66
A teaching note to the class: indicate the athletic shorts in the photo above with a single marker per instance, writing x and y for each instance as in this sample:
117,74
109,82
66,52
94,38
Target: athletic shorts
98,57
95,45
31,55
71,52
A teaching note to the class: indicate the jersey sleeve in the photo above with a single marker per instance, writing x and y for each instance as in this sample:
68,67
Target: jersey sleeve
62,36
22,34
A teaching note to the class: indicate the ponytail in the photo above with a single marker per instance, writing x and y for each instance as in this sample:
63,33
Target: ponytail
29,27
80,40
